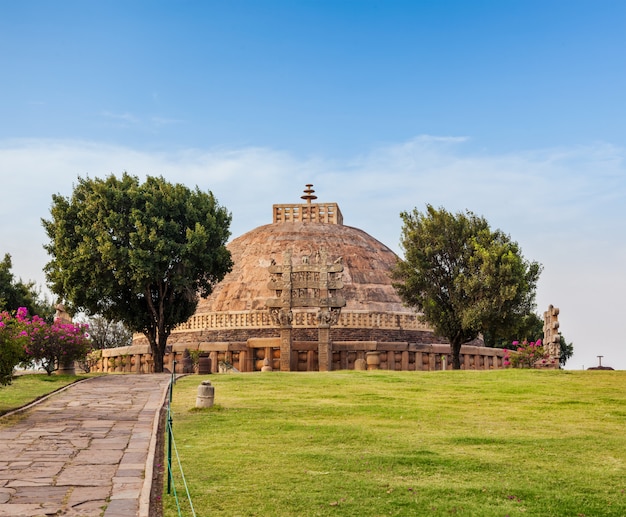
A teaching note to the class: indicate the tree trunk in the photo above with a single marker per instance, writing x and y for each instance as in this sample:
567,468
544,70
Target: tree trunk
157,360
456,354
157,348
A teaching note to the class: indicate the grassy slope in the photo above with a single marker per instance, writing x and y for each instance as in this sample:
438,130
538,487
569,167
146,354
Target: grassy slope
344,443
27,388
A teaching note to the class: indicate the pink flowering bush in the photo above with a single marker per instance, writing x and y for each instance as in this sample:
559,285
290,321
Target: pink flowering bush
57,344
13,339
528,355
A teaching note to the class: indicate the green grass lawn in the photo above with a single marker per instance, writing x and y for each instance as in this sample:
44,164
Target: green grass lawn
30,387
492,443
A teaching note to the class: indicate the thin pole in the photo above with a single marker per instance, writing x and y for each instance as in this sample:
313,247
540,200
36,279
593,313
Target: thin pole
169,430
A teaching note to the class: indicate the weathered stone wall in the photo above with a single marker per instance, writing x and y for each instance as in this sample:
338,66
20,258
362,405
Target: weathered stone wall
250,356
193,339
247,338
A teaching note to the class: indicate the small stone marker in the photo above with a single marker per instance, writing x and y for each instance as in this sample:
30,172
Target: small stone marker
206,395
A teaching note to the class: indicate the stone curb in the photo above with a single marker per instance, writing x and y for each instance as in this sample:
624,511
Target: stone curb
146,491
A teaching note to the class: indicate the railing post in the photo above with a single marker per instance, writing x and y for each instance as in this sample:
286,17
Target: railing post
169,430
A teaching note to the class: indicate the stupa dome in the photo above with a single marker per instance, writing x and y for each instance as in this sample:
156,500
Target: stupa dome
366,266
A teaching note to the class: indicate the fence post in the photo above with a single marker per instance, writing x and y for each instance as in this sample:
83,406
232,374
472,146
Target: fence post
169,430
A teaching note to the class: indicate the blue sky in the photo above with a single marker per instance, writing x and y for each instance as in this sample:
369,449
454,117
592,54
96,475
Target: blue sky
512,109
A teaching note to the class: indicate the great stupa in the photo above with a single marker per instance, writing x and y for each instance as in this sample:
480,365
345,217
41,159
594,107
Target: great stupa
307,293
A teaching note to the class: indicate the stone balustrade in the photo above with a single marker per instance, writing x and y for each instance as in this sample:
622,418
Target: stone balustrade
307,212
253,354
302,319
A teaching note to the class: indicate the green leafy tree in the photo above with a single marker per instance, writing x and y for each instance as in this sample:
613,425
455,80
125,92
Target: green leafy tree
463,277
105,333
16,293
139,253
567,351
526,327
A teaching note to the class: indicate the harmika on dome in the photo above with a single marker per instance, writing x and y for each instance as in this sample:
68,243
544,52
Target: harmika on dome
307,293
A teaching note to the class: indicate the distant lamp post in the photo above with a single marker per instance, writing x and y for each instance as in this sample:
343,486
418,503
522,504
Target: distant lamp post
600,367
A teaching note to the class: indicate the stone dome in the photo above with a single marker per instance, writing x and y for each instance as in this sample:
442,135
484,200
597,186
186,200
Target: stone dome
366,266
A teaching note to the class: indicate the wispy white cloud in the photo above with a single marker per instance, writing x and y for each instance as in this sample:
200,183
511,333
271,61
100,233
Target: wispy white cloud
149,123
565,206
126,118
159,122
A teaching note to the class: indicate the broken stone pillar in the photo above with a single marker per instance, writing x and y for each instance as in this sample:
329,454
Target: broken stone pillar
206,395
551,334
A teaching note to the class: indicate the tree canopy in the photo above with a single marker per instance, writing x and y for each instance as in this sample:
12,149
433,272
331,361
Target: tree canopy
139,253
17,293
462,276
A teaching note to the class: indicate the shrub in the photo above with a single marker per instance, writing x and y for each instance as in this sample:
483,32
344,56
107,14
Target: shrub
13,338
528,355
57,344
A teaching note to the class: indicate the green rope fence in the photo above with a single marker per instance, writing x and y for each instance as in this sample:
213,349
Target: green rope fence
171,444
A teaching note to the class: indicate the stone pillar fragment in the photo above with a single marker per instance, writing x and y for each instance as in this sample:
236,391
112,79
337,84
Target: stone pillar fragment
551,334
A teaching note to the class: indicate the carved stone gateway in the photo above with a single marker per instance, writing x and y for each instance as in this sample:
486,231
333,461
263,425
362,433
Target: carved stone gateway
313,284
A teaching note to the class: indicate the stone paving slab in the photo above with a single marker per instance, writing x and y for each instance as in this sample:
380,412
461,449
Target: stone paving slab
85,451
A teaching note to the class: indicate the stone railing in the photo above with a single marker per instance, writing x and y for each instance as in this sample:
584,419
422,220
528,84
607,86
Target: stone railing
382,320
301,319
307,212
254,354
227,320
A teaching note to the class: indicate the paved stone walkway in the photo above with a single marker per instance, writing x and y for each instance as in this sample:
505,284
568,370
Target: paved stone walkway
87,450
